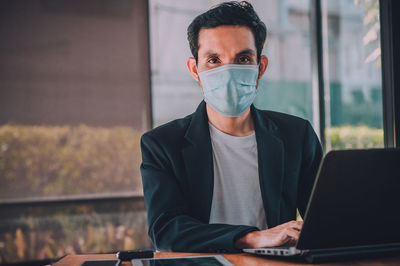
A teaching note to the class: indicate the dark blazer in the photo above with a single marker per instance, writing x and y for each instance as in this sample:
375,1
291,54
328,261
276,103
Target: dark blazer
178,179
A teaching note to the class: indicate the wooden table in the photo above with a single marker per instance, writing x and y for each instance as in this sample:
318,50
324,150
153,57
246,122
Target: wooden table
236,259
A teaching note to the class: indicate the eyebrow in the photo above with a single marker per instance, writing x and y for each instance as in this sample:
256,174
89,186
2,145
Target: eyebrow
243,52
247,51
211,54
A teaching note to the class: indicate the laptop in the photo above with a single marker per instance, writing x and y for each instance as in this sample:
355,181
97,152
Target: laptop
353,211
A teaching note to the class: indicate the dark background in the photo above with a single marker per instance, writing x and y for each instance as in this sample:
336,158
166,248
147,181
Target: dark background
75,62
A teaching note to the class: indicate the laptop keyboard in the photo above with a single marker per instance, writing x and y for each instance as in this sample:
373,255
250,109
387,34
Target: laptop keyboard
271,251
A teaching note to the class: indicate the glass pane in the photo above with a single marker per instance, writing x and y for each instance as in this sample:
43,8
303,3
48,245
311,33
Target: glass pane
74,101
39,231
286,86
353,87
174,92
73,92
53,161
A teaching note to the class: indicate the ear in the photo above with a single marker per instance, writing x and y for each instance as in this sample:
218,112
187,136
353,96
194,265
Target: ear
263,66
191,65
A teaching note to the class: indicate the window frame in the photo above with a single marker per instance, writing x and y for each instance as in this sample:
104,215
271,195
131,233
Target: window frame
389,22
388,10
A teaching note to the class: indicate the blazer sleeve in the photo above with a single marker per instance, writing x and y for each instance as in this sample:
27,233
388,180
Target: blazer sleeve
171,227
311,158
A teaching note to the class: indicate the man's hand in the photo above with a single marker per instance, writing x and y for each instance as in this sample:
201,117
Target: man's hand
284,234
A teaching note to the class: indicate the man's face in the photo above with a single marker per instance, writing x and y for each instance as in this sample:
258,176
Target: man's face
226,45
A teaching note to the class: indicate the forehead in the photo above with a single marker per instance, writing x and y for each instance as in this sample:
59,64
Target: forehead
225,40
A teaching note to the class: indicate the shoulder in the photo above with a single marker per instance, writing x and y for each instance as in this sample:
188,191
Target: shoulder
169,132
283,121
296,133
290,128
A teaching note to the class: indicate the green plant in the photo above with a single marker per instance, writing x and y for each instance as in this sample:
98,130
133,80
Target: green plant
64,160
354,137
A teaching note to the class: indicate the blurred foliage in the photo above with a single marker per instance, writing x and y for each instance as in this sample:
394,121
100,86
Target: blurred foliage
40,161
43,232
65,160
371,37
354,137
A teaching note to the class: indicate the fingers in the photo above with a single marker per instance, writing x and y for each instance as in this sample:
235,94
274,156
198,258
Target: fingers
290,243
289,237
297,225
284,234
292,224
292,233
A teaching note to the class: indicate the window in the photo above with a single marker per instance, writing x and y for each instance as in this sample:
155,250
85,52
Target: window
74,100
286,86
352,82
347,113
174,92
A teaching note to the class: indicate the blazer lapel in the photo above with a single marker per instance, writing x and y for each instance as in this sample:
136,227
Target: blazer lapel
270,166
197,156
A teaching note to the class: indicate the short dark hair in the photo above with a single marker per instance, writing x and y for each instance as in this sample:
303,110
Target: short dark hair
228,13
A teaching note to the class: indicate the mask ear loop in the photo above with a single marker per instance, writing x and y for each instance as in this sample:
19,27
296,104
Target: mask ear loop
198,76
258,76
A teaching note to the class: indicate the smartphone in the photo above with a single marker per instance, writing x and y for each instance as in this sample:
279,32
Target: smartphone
101,263
205,260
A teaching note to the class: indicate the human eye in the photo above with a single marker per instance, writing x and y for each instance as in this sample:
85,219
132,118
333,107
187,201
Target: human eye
213,60
244,59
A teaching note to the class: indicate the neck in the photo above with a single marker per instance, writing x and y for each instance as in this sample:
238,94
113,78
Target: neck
236,126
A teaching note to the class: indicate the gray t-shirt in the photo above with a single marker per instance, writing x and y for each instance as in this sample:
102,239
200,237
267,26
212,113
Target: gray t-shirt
237,194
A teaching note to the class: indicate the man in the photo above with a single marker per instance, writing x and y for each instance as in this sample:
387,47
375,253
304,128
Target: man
228,176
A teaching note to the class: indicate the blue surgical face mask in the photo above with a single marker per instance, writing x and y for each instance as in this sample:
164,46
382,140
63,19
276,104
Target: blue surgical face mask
230,89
